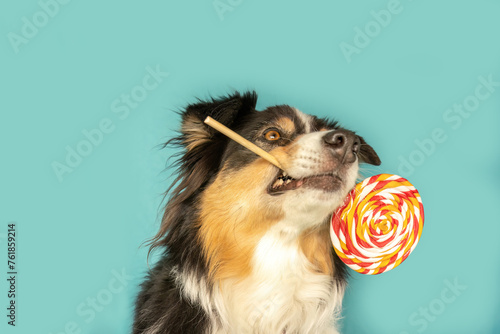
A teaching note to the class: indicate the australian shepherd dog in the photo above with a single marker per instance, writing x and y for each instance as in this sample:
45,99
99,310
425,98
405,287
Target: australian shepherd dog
245,246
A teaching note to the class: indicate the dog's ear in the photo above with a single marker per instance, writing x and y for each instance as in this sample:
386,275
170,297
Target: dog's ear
196,135
367,154
204,146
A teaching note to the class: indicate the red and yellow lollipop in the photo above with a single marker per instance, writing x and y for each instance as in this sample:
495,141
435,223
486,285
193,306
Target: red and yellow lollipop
378,225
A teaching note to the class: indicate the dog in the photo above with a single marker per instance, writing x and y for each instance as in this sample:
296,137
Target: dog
245,246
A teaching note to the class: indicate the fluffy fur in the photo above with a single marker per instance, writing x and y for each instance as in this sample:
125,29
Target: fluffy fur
246,246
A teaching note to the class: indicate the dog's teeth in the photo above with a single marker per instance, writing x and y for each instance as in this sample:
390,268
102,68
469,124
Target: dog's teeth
282,179
278,183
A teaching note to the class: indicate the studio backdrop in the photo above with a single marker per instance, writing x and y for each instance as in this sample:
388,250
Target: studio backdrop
90,90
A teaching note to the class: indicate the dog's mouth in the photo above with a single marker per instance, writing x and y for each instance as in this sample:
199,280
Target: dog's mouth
327,182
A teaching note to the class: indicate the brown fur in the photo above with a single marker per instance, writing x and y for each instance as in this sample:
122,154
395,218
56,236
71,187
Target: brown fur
283,154
228,235
286,124
317,247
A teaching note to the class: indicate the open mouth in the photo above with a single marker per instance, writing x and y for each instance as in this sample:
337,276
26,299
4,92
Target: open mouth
284,183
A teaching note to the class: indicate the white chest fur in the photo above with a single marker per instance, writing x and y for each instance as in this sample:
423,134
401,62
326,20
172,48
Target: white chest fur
283,294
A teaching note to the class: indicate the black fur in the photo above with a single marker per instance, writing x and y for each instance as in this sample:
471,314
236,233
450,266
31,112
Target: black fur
161,304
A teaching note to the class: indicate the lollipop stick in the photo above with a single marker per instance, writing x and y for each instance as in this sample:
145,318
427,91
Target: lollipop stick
242,141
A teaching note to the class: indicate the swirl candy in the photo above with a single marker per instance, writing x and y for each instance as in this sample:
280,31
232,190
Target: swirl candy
378,225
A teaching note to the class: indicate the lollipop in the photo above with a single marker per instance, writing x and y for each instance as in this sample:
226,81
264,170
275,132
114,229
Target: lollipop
378,225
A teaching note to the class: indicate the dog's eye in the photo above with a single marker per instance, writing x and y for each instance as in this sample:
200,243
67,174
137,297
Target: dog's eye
272,135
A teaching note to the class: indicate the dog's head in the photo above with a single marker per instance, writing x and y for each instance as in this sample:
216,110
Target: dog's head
236,196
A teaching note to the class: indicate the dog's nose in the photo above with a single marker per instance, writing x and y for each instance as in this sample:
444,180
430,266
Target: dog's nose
344,144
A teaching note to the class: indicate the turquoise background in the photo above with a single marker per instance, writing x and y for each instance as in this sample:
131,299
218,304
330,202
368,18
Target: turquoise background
76,235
